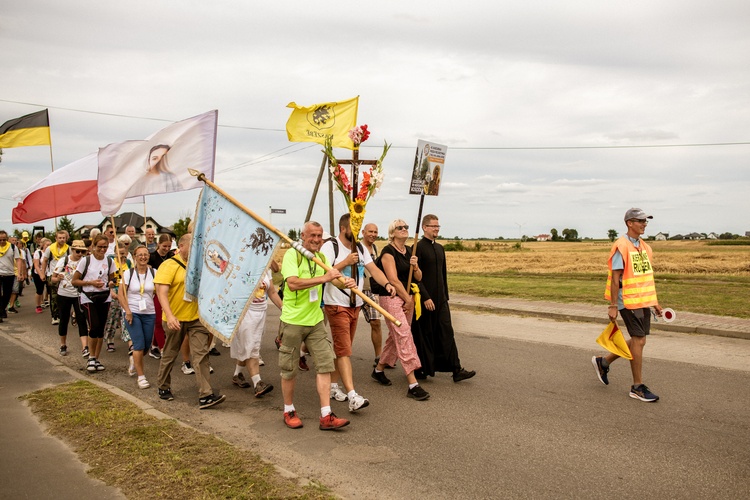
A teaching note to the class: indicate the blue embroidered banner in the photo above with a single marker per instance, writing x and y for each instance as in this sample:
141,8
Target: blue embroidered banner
229,254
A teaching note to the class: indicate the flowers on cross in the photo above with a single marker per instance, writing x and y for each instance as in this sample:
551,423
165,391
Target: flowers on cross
372,180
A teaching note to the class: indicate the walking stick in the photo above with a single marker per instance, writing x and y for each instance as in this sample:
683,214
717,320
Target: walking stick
294,244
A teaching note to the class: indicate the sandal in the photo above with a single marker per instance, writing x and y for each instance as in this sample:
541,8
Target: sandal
110,347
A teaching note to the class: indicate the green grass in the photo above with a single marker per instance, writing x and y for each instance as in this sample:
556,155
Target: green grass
142,455
719,295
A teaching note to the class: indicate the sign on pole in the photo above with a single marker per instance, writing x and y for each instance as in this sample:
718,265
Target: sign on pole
278,210
428,168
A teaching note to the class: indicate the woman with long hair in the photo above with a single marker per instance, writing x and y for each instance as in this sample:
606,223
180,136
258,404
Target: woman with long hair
157,167
395,261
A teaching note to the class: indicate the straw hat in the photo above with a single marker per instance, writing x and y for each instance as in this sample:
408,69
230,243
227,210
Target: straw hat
78,245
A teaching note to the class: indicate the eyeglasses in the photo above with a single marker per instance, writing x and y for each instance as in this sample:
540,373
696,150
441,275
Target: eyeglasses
399,228
642,221
100,247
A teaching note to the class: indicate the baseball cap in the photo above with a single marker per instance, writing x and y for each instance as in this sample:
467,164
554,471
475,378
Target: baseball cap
25,236
636,213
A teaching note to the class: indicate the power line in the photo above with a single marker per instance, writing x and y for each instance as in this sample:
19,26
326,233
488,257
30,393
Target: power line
463,148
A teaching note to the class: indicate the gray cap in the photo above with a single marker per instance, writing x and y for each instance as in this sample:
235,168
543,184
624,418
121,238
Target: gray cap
636,213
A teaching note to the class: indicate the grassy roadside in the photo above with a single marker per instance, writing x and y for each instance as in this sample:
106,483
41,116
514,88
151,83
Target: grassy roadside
719,295
144,456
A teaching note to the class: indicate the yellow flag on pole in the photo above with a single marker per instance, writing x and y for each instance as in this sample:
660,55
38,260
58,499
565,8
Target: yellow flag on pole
318,122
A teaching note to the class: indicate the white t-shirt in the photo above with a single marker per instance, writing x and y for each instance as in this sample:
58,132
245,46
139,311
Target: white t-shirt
50,259
140,288
8,261
333,296
98,270
67,269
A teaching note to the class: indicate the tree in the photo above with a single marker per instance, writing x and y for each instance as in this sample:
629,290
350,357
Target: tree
293,234
570,234
66,224
612,235
180,227
553,232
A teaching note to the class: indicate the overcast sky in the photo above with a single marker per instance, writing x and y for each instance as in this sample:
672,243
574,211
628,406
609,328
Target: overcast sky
502,84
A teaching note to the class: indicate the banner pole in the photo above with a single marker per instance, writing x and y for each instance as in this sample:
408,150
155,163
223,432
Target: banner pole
416,237
202,177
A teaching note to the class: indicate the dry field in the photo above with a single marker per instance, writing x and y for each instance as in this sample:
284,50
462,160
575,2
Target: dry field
670,257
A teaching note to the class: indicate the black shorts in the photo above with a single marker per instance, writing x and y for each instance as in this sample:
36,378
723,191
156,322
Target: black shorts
637,321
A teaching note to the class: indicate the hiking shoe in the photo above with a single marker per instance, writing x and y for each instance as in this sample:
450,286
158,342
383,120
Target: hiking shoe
357,403
332,422
110,347
211,400
214,352
643,393
381,378
12,310
262,388
39,309
338,394
85,352
166,394
154,352
55,321
418,393
463,374
143,383
63,350
601,372
303,364
187,369
91,365
99,366
239,381
18,302
292,420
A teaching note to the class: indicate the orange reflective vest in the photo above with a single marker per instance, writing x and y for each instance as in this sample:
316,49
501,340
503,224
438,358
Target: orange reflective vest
638,289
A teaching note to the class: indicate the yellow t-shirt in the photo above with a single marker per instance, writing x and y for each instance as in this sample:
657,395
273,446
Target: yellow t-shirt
173,274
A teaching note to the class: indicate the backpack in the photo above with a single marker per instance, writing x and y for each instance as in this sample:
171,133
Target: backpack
335,243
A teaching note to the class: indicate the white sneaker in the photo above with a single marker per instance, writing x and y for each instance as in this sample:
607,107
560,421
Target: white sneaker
131,367
338,394
187,369
261,362
357,403
55,321
143,384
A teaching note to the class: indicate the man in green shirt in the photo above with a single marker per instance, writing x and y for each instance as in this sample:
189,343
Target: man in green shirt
302,321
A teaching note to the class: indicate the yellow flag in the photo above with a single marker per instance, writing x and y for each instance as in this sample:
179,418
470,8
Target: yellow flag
318,122
612,340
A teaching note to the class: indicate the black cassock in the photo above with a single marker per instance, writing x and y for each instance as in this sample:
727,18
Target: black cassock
433,332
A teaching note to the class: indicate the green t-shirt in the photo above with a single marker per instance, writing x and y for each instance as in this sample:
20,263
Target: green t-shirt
298,309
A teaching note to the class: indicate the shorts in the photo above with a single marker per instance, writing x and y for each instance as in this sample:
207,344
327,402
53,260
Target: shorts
370,313
637,321
142,330
316,341
343,323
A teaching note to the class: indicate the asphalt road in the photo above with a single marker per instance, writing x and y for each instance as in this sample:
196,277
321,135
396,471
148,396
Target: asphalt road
534,423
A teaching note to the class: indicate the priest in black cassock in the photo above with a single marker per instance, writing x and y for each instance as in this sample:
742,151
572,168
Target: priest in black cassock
433,331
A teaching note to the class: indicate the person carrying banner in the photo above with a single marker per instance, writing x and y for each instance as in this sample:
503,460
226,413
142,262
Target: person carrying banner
54,252
342,308
302,320
433,331
631,291
180,320
396,263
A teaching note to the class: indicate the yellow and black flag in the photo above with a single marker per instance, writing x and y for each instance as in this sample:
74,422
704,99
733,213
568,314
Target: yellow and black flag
29,130
328,120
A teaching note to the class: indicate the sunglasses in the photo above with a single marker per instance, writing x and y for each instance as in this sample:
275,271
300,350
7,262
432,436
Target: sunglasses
399,228
80,251
642,221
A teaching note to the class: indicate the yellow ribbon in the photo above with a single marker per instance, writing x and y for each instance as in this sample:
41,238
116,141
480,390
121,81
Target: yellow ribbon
5,248
417,300
56,255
